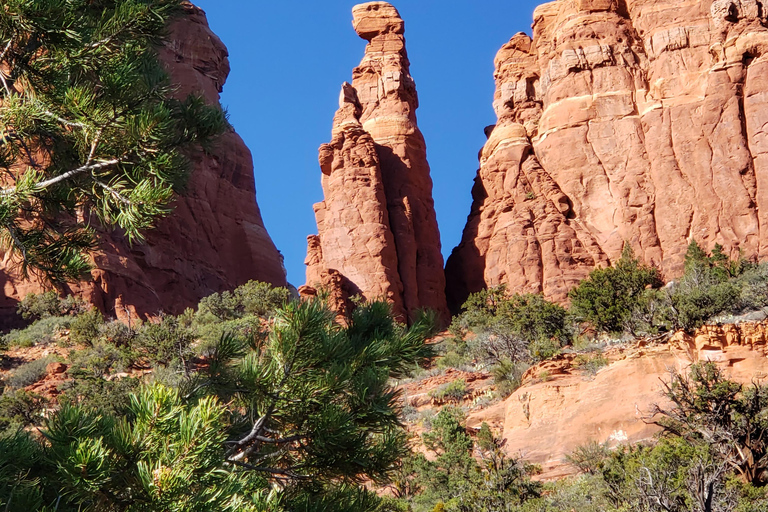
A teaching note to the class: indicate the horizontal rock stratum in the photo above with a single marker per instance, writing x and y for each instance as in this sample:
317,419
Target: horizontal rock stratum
560,407
214,240
377,228
638,121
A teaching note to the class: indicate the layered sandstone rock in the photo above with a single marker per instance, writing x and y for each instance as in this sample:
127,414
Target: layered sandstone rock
645,120
377,225
560,407
215,238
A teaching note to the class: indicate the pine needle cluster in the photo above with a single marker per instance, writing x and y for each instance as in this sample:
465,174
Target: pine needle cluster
90,129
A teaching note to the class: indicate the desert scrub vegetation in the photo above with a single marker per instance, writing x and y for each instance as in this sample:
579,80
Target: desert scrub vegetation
590,363
611,298
41,332
629,298
463,473
453,391
306,407
709,457
29,373
506,333
20,409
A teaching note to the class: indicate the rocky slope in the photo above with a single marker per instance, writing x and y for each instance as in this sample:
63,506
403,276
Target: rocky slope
559,407
620,120
214,240
563,404
378,234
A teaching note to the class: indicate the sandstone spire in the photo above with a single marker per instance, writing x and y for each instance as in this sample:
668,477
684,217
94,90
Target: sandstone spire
377,225
646,118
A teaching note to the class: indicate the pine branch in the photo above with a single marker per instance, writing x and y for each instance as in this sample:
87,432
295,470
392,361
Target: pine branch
2,58
71,124
114,192
63,177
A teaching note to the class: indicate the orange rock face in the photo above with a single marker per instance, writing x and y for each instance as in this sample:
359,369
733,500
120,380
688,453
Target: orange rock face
215,238
640,121
377,225
559,407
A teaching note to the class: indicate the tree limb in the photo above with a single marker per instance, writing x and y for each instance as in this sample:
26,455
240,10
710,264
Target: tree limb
63,177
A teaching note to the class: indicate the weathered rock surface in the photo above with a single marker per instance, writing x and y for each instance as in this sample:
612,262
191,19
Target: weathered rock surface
215,238
559,407
621,120
377,225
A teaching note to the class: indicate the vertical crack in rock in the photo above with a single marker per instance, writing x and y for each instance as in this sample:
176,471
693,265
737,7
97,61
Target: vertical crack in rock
650,119
392,249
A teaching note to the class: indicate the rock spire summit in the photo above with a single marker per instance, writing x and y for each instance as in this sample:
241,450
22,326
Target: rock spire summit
378,233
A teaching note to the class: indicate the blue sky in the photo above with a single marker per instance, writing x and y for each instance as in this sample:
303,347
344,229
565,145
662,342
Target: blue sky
289,60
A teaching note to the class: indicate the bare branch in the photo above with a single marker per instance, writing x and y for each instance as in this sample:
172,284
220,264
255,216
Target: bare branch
2,58
71,124
63,177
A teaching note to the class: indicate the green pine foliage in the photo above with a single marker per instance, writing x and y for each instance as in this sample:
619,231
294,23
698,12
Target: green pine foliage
610,296
711,285
296,420
163,455
463,474
90,126
531,318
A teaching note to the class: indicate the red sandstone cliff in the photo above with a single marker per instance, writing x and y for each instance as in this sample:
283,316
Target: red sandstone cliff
377,225
621,120
215,238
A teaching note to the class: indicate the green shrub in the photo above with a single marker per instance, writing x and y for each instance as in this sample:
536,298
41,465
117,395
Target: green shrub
100,360
590,457
20,408
118,334
165,343
610,297
529,316
508,375
452,479
516,327
712,285
544,349
41,332
50,304
248,327
590,363
95,392
86,327
29,373
253,298
753,283
453,359
451,392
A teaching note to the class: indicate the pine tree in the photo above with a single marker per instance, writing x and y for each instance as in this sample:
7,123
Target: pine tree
296,422
89,128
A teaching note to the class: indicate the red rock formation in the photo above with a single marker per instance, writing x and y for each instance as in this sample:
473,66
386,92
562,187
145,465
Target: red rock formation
646,118
377,224
214,240
560,407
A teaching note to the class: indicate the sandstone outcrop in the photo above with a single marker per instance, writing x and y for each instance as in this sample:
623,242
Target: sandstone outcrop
639,121
215,238
560,407
377,224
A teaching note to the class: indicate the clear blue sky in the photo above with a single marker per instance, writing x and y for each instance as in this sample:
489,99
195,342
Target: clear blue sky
289,59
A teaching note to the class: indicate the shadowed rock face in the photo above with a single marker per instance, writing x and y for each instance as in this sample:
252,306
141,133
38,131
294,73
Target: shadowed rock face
621,120
214,239
377,225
